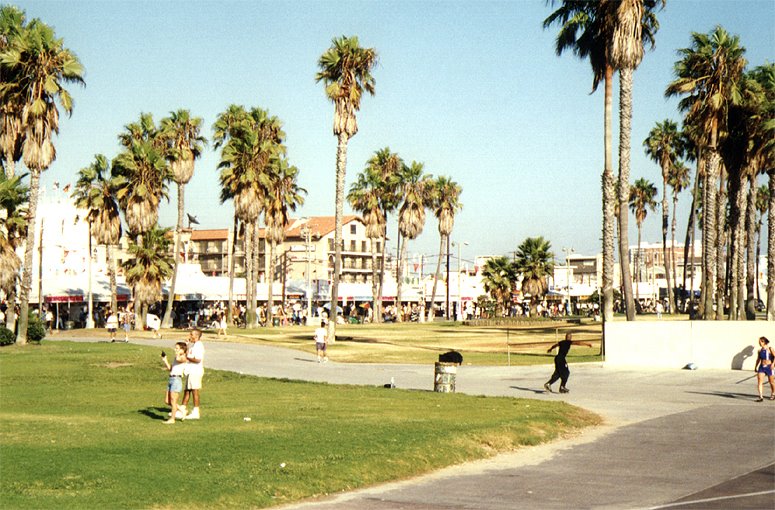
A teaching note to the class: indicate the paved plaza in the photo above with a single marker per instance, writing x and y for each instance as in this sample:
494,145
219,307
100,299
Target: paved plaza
671,439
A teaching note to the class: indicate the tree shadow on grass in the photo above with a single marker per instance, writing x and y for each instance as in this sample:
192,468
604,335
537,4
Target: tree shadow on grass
155,413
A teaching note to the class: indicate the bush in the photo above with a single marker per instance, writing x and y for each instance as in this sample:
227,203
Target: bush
6,336
36,329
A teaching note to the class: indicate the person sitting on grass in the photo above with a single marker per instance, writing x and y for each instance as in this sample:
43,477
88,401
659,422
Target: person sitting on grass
175,381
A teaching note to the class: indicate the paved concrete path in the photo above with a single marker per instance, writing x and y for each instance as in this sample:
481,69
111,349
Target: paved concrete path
672,438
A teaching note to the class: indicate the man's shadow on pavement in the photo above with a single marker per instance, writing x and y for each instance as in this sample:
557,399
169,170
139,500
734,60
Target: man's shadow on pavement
155,413
537,391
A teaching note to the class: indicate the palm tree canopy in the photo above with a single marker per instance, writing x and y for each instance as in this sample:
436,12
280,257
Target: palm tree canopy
642,199
499,275
143,174
535,261
446,203
250,140
149,264
283,194
345,70
364,197
184,143
678,177
40,66
664,145
417,188
708,76
95,190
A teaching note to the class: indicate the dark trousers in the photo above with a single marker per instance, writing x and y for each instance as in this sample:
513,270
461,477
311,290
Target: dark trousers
561,372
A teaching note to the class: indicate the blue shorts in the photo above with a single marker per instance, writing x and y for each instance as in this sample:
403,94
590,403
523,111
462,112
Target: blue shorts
766,370
175,384
320,347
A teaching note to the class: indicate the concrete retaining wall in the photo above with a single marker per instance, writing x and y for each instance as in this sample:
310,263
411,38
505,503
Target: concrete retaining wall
674,344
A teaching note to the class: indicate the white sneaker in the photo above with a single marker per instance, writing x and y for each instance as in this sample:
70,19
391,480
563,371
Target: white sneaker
181,414
193,415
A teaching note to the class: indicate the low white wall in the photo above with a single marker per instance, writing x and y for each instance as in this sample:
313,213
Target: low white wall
674,344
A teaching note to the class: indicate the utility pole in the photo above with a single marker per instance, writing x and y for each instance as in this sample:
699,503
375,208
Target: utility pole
567,252
307,233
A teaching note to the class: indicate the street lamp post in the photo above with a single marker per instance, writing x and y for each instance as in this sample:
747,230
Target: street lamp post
459,280
307,233
567,252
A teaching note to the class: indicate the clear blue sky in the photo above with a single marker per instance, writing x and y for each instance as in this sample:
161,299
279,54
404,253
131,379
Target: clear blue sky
473,89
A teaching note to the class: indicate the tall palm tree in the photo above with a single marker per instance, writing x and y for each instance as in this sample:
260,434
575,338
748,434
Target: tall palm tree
389,166
14,200
633,23
664,145
535,262
184,146
499,275
283,195
12,25
95,191
708,75
417,190
144,173
678,180
446,203
364,197
345,70
148,266
250,140
40,66
585,29
642,200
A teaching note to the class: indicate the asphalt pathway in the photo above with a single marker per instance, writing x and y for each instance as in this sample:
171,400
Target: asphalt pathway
671,439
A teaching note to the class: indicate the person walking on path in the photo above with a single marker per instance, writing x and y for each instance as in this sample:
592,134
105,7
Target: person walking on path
195,369
763,368
561,370
321,340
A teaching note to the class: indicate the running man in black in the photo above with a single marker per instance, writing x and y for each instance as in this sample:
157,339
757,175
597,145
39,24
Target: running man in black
561,371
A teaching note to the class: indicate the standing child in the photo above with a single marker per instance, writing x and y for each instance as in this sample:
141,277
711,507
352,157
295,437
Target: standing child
126,322
175,382
222,324
112,324
321,340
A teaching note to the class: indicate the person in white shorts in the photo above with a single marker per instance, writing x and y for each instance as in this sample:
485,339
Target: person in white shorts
195,369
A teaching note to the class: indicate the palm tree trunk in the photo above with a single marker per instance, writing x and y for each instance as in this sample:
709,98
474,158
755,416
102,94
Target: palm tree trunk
625,128
721,238
232,251
10,166
270,286
690,238
26,284
401,248
382,272
674,266
637,268
166,322
341,169
250,284
10,312
112,277
665,255
742,251
374,282
735,192
709,234
431,313
256,266
771,248
609,209
750,276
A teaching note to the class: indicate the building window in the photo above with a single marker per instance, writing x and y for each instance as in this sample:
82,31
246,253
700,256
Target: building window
363,246
352,245
353,229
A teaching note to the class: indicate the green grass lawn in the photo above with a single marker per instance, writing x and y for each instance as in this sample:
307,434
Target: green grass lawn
81,427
